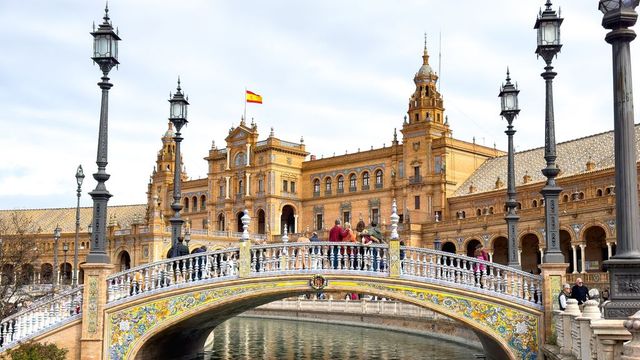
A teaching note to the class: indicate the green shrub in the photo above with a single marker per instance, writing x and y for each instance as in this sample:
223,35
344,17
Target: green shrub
37,351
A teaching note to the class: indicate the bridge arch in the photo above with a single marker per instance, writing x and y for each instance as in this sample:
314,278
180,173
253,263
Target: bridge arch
187,315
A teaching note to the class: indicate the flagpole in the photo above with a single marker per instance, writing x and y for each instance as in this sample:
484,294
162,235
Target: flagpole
244,118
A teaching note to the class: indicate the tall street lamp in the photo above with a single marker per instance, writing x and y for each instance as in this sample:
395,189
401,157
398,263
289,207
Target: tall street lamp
56,236
79,179
178,116
624,267
105,54
65,274
509,110
548,26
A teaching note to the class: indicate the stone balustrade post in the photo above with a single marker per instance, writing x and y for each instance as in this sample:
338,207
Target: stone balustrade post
570,313
553,276
94,299
610,336
557,316
590,312
631,350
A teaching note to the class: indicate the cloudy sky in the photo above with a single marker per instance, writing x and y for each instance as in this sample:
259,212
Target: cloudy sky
337,72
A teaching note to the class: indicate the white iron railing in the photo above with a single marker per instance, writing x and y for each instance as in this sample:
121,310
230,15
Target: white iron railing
173,272
45,313
443,267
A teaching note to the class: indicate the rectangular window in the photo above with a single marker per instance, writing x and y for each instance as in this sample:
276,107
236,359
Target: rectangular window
401,218
375,215
221,191
437,167
416,172
260,185
319,221
285,185
346,217
401,169
293,187
416,200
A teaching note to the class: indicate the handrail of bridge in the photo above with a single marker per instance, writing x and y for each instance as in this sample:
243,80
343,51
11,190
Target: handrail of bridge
42,314
312,256
445,267
169,273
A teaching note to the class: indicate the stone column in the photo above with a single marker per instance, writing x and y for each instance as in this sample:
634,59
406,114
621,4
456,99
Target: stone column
590,313
519,256
228,156
248,154
582,258
227,183
247,184
94,299
552,280
295,223
572,311
609,251
575,259
490,256
541,255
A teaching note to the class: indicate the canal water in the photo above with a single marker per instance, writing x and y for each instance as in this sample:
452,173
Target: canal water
253,338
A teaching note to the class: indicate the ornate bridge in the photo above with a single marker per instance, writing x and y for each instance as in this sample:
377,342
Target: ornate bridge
152,308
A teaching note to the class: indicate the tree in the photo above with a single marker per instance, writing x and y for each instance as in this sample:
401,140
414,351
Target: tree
36,351
18,256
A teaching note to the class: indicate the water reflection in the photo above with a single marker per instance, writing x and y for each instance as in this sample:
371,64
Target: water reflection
252,338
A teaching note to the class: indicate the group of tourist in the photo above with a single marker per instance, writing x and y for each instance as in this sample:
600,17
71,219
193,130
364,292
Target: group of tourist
579,291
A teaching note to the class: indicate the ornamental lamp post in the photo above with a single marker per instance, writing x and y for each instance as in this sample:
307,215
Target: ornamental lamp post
65,248
105,54
178,117
56,236
548,26
624,267
79,179
509,110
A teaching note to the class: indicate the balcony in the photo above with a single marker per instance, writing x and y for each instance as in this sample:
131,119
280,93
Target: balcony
416,180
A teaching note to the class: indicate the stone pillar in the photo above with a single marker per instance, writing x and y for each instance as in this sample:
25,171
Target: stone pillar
541,255
244,260
552,280
610,335
490,256
590,313
248,154
632,348
248,184
94,299
582,258
295,223
572,311
227,190
575,259
519,256
609,251
228,156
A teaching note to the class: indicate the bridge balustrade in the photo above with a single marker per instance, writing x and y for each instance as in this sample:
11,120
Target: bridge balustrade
443,267
173,272
43,314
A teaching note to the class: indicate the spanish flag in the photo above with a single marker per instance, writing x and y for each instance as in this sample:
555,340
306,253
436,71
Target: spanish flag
253,97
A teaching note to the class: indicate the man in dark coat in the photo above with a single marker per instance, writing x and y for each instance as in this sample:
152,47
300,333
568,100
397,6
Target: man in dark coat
580,292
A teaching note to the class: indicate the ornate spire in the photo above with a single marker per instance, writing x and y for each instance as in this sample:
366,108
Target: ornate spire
106,13
425,54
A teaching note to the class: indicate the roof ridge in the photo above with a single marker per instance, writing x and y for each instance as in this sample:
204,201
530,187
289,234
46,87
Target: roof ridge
71,208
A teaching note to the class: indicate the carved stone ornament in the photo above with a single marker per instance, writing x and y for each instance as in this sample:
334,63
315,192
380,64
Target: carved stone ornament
318,282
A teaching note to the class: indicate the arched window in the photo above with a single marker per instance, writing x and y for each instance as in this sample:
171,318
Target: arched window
240,187
478,212
378,179
491,210
365,180
565,198
186,204
316,187
352,182
327,186
203,203
340,184
599,192
194,204
534,203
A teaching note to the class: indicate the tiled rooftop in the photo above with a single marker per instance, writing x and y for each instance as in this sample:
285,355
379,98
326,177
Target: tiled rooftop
45,220
572,159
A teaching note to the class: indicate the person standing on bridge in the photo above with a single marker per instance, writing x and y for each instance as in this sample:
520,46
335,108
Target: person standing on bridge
336,234
580,292
563,296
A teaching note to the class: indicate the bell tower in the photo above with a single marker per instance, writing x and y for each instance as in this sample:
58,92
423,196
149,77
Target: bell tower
425,104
